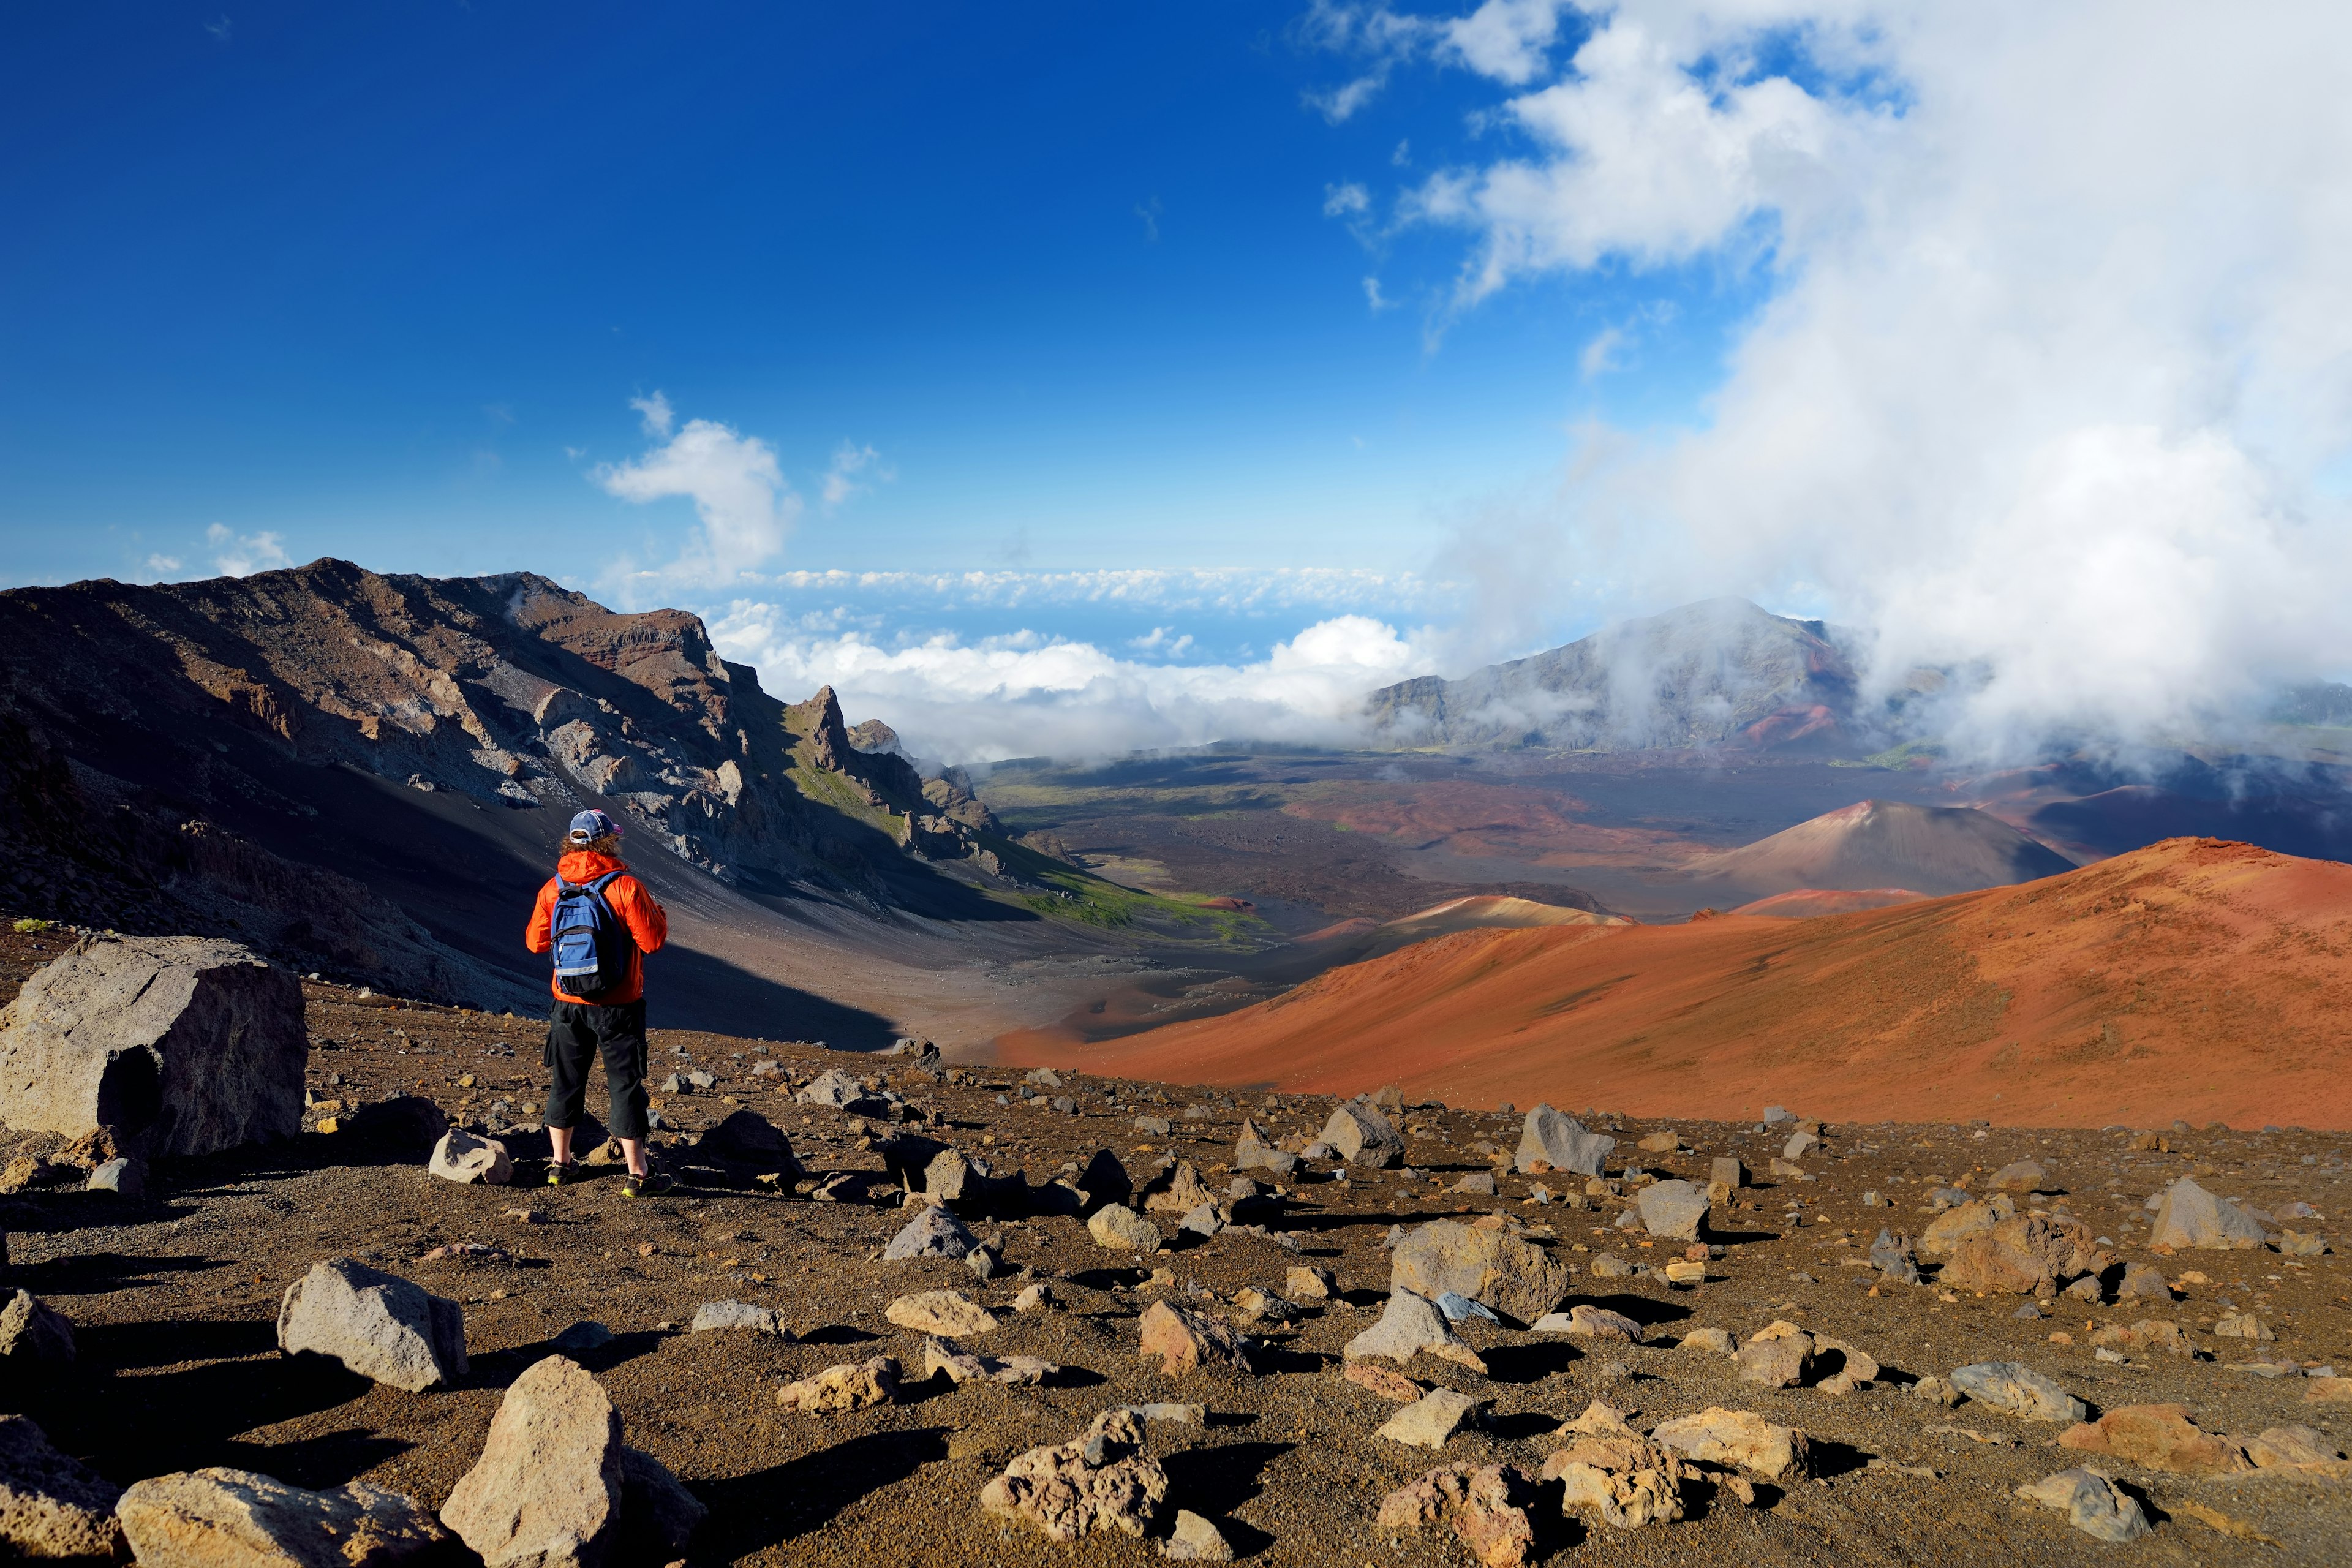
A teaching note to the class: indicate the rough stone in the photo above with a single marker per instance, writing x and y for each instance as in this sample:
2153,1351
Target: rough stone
1104,1181
556,1488
2155,1438
173,1046
1589,1321
1363,1136
1117,1228
1185,1340
1515,1278
1892,1256
1410,1325
35,1337
1099,1481
1674,1209
2018,1389
1727,1170
2292,1447
1194,1539
947,1312
2240,1326
833,1088
1177,1190
1483,1505
962,1366
382,1327
2142,1281
52,1506
2028,1255
1429,1420
1304,1283
1715,1342
236,1519
934,1232
462,1158
1776,1356
1740,1438
2092,1504
1628,1479
2019,1176
713,1316
125,1175
2188,1216
1383,1380
851,1385
749,1139
2157,1335
1549,1141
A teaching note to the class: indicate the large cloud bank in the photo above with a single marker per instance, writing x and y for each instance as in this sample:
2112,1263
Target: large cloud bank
2054,380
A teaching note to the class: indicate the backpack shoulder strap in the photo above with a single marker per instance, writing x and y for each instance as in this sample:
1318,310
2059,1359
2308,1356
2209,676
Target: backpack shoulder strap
606,881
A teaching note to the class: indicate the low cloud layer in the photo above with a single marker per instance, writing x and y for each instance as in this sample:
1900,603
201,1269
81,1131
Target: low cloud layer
2054,380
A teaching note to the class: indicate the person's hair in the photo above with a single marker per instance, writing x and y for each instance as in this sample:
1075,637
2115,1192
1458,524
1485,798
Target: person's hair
603,844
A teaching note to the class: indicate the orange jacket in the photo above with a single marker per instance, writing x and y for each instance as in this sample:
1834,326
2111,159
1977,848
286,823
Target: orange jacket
627,899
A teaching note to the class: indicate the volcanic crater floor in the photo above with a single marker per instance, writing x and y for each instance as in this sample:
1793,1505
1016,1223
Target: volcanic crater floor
174,1298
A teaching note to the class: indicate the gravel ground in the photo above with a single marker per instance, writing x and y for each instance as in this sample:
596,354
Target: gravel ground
174,1299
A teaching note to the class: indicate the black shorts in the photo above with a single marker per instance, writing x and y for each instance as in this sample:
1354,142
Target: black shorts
578,1033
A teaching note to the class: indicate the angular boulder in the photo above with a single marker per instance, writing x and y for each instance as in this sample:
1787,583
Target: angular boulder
1117,1228
750,1140
1549,1141
35,1337
462,1158
1177,1190
1674,1209
1099,1481
2188,1216
1410,1325
1515,1278
1363,1136
175,1046
851,1385
1610,1469
1429,1420
1486,1506
382,1327
1740,1438
2029,1256
52,1506
947,1312
556,1488
2155,1438
933,1233
216,1518
1184,1340
713,1316
2018,1389
2092,1504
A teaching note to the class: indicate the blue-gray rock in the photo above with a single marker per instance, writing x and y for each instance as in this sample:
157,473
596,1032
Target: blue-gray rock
386,1329
713,1316
1548,1138
2092,1504
933,1233
1675,1210
2188,1216
2018,1389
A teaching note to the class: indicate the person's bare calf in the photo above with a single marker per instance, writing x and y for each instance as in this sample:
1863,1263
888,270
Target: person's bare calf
559,1139
634,1151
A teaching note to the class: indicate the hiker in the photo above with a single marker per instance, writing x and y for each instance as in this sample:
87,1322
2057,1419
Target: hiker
599,921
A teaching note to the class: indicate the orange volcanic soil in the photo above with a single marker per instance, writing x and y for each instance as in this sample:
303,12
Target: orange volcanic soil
1806,903
2195,978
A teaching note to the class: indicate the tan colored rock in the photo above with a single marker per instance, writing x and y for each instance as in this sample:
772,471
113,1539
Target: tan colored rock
1740,1438
1614,1471
1363,1136
2150,1335
462,1158
1177,1190
1777,1356
1185,1340
948,1312
2028,1255
1383,1380
2292,1447
1195,1538
1307,1284
1661,1143
1515,1278
236,1519
2327,1391
52,1506
1117,1228
1485,1505
1411,1325
2155,1438
1588,1322
851,1385
1099,1481
1429,1420
1857,1370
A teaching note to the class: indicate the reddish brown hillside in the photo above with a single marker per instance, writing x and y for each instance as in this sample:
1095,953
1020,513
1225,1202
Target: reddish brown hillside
2195,978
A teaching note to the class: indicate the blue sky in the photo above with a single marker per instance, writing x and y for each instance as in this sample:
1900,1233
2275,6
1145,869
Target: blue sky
1848,305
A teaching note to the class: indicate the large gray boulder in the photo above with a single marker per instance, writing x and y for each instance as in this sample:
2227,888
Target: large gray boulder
2188,1216
1674,1209
377,1324
1515,1278
174,1044
933,1233
236,1519
1561,1143
556,1488
51,1505
1363,1136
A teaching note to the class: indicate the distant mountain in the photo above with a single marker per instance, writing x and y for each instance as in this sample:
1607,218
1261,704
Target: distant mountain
1716,672
1885,844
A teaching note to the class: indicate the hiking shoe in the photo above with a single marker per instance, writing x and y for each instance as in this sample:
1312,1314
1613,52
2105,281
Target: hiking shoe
648,1185
559,1175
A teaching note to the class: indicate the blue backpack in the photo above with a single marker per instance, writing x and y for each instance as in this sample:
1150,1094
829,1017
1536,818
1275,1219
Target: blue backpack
591,946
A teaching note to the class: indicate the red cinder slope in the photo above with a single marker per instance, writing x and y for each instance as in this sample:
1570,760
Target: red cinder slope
2195,978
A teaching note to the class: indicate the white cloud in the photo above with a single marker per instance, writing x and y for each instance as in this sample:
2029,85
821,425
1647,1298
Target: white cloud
1600,354
1027,696
849,460
163,565
655,413
1339,104
1374,297
241,555
1347,199
220,27
2057,353
1224,591
744,508
1506,39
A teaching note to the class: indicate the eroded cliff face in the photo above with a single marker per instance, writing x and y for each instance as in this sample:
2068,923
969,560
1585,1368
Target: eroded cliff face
157,708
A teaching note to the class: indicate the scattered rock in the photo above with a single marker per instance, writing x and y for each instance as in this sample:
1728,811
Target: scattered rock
1307,1284
2092,1504
1740,1438
1515,1278
1177,1190
2142,1281
749,1139
1099,1481
1117,1228
219,1517
934,1232
1661,1143
2302,1244
1033,1298
962,1366
1410,1325
836,1089
1715,1342
712,1316
1892,1256
947,1312
1727,1172
177,1046
379,1325
1185,1340
1480,1183
2155,1438
2240,1326
2019,1176
125,1175
462,1158
1550,1141
1674,1209
2188,1216
1429,1420
2027,1255
52,1506
1363,1136
1195,1539
1628,1479
2292,1447
1592,1322
2150,1334
35,1337
1483,1505
1383,1380
851,1385
2018,1389
1776,1356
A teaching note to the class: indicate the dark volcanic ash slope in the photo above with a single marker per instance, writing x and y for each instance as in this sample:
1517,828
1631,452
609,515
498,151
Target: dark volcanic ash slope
1719,671
368,774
